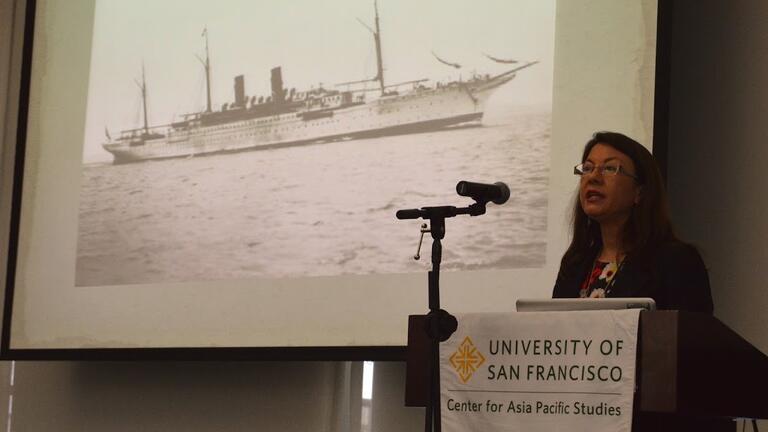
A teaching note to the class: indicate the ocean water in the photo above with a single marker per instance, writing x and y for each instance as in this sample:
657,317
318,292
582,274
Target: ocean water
320,209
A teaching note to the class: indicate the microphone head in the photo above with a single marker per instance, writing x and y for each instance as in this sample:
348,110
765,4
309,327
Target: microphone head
497,193
504,197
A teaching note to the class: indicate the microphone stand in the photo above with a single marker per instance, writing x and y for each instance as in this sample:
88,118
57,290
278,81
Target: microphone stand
439,324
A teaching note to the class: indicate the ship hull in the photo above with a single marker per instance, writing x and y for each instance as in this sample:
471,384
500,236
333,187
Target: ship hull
414,112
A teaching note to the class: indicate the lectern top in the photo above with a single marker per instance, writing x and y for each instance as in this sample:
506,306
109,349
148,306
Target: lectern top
577,304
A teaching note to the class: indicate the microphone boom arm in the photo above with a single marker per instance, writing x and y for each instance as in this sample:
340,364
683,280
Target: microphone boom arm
441,212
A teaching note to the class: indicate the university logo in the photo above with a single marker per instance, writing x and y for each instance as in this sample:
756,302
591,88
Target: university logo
466,360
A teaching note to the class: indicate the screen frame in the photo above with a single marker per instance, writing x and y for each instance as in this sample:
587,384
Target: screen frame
385,353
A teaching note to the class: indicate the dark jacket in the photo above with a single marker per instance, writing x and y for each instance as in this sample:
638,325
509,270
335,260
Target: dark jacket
675,277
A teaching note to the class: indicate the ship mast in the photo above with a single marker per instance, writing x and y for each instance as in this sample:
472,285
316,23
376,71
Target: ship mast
143,88
377,39
207,65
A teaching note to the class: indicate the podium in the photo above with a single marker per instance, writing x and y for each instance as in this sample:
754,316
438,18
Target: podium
693,373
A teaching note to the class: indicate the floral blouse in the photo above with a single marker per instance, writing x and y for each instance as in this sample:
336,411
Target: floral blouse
599,281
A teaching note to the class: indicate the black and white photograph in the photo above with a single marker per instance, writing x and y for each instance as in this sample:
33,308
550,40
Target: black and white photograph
266,139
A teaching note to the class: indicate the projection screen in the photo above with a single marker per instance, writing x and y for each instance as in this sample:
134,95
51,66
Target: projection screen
226,175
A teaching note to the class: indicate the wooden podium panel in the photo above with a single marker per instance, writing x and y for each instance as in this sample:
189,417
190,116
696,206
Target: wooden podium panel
693,364
417,363
692,369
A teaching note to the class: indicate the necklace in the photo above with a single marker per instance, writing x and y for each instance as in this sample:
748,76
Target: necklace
615,276
603,273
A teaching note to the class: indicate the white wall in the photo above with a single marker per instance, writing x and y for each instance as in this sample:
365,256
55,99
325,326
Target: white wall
176,396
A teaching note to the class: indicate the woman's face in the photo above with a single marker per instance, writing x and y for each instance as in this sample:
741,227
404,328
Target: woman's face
605,197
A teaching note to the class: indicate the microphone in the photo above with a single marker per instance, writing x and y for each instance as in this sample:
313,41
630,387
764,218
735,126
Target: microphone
497,193
409,214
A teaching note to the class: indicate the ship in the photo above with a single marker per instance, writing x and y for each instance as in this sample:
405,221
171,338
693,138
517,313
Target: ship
291,117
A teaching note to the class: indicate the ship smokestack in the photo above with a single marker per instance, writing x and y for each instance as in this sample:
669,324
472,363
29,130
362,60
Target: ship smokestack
278,92
239,91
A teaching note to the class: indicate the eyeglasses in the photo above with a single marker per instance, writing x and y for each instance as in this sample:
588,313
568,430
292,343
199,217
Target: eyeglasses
609,169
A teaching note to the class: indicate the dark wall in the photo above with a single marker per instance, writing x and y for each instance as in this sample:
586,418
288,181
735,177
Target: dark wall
718,151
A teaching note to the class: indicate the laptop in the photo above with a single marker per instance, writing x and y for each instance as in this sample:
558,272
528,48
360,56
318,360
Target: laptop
582,304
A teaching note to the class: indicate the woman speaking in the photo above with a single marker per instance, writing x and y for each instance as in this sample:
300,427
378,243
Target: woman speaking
623,244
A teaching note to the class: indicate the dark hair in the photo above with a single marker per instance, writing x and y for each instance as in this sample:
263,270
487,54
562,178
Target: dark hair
648,226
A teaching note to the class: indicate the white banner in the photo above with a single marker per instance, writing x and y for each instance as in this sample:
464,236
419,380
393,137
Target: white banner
540,371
